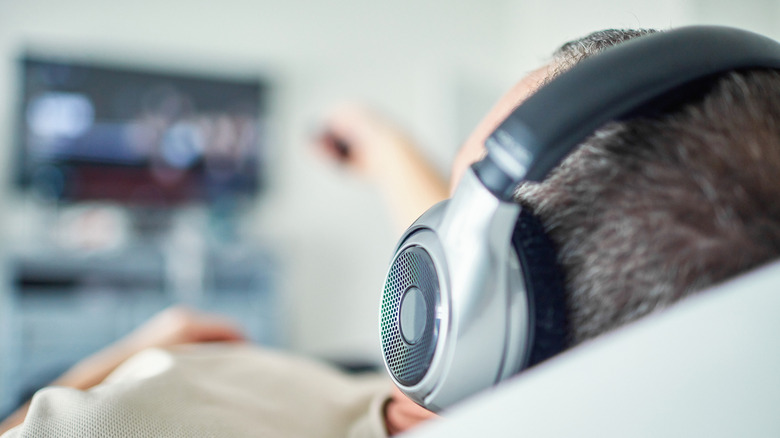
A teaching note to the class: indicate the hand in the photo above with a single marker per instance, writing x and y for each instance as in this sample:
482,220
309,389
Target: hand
179,325
176,325
402,414
364,140
375,148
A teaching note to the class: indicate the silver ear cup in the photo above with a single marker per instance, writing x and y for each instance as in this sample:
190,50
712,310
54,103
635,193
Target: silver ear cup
409,323
454,315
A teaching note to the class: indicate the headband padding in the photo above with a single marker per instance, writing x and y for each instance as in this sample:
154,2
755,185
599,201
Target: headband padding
544,282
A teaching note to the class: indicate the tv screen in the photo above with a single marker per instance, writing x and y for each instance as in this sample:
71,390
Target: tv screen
134,136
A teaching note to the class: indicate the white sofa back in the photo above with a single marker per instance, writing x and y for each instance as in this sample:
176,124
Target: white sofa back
708,367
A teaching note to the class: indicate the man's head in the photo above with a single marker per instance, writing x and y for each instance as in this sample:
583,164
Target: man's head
652,209
649,210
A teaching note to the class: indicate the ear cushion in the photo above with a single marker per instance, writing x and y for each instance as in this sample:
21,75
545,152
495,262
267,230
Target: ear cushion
544,283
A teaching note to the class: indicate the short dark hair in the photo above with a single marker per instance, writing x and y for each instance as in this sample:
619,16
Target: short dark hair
574,51
650,210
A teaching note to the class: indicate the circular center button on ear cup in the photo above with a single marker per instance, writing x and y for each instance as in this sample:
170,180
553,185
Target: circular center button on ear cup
414,313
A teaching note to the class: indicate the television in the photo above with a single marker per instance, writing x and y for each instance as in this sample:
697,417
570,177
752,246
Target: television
136,136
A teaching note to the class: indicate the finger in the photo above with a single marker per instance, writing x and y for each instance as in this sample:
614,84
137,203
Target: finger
218,333
211,328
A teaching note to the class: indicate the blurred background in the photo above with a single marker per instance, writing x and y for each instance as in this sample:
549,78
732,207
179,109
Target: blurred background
159,152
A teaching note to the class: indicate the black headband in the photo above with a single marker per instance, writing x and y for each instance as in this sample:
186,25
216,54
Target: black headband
610,86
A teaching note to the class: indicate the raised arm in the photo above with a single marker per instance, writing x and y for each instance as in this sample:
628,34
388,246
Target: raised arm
369,144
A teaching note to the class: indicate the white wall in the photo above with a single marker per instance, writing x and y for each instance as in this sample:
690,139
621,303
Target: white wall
331,231
435,65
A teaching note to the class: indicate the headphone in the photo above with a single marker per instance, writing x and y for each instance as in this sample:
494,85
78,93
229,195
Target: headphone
473,294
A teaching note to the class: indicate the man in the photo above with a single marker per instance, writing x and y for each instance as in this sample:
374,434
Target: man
650,210
644,213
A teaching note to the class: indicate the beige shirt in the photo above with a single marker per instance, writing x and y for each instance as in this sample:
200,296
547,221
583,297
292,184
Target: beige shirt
214,391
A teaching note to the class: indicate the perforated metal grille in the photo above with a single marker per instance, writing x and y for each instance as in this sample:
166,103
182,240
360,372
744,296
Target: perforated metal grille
409,362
